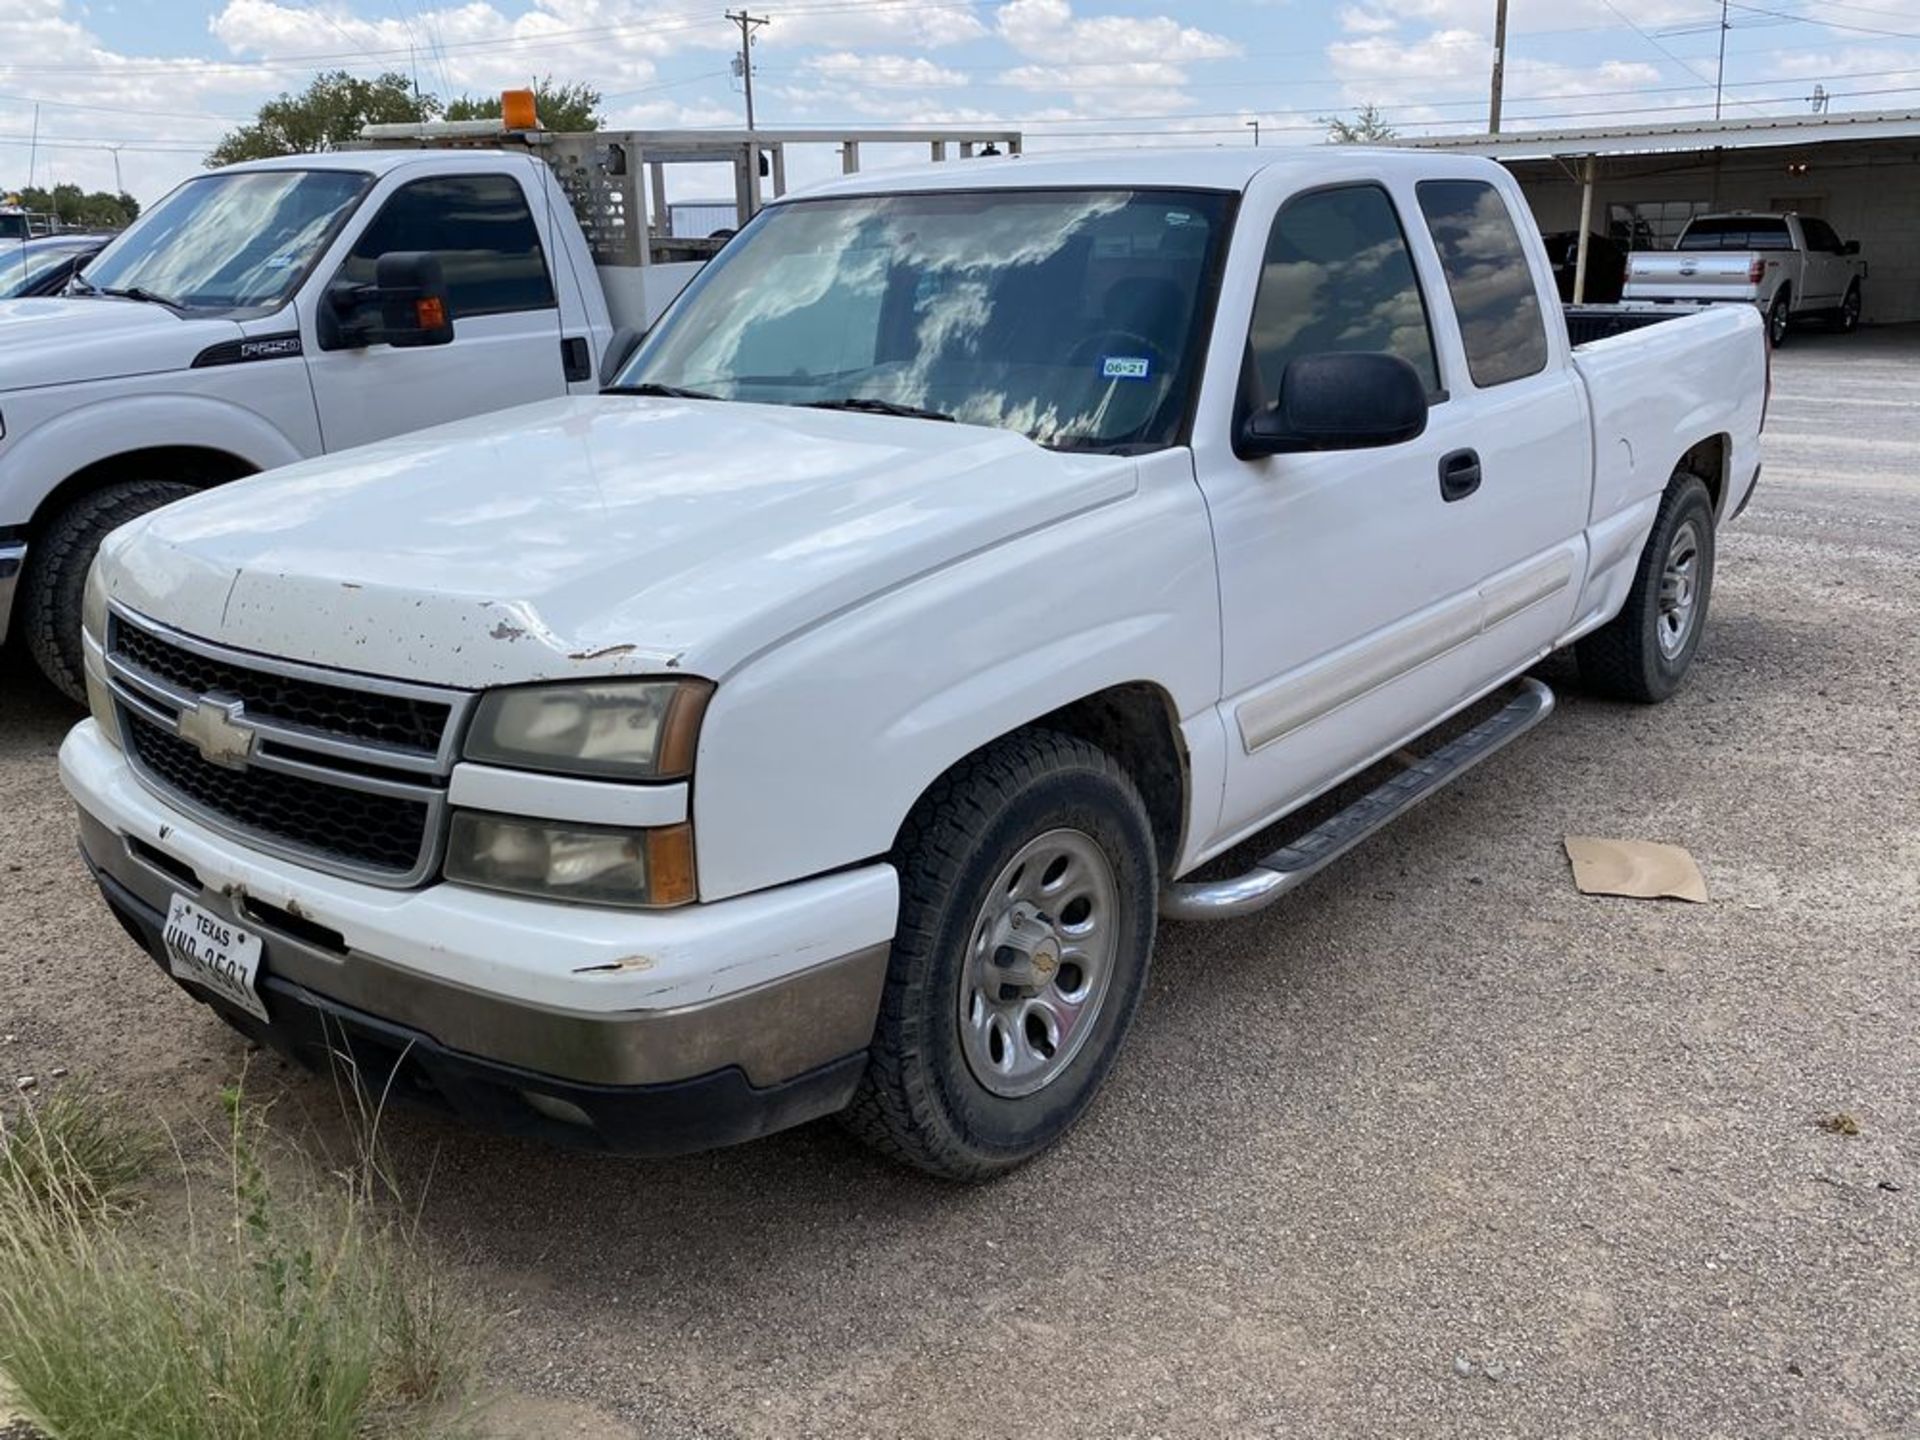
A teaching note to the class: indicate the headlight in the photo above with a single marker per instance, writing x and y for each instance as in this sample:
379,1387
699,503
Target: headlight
609,729
93,603
589,864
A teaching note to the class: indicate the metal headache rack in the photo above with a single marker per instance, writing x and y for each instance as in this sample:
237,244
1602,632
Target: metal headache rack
602,171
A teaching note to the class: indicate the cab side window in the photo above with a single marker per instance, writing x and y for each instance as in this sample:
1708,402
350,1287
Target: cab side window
1488,276
1820,236
483,232
1337,277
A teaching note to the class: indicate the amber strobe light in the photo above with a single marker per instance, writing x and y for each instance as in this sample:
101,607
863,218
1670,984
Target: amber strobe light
517,112
430,312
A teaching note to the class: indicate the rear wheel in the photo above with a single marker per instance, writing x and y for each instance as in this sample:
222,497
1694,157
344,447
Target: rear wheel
1780,319
54,583
1028,883
1644,652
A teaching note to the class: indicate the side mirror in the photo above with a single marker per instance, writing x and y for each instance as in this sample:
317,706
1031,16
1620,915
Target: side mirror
1852,247
407,304
1357,401
620,349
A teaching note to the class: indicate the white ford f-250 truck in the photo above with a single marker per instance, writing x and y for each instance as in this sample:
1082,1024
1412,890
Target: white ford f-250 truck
961,575
1788,267
248,320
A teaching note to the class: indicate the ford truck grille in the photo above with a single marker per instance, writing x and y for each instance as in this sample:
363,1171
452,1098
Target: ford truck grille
345,773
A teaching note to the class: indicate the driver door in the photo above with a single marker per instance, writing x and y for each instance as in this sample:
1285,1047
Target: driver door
507,348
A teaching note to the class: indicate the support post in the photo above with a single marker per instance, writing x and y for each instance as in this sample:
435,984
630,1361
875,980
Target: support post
779,170
1586,229
850,157
662,216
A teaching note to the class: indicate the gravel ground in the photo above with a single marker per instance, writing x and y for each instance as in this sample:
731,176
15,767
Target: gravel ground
1436,1147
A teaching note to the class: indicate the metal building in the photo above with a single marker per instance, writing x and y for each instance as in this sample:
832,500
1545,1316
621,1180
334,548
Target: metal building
1640,183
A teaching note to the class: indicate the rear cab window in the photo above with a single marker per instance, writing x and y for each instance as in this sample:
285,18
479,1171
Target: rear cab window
1495,296
1737,232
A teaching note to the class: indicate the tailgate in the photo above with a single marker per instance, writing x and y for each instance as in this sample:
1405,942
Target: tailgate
1698,275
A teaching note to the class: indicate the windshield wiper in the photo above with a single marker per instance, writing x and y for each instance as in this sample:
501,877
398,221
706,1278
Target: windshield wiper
666,392
134,292
878,407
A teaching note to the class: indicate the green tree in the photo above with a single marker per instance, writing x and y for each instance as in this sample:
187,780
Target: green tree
1366,128
325,116
566,108
73,206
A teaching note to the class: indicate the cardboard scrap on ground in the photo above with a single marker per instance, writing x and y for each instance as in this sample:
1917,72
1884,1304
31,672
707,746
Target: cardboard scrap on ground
1639,869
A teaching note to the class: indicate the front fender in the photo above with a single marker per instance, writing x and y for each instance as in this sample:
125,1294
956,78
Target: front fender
36,458
813,753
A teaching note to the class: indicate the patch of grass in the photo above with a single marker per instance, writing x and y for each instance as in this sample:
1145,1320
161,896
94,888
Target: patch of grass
305,1314
74,1146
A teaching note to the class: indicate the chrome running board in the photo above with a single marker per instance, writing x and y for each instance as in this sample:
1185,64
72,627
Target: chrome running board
1294,864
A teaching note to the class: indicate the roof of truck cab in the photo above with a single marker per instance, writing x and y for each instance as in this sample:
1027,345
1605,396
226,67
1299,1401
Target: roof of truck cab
1165,168
370,162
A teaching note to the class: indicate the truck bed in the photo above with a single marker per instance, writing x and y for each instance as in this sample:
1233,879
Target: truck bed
1587,323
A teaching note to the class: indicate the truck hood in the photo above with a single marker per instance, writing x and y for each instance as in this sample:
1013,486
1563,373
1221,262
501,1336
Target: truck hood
590,536
66,342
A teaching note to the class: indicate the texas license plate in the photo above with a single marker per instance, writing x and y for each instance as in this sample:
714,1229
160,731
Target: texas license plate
214,954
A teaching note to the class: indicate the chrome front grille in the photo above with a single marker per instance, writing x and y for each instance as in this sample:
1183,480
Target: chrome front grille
346,773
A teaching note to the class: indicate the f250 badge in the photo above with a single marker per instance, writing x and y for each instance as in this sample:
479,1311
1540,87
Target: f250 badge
273,348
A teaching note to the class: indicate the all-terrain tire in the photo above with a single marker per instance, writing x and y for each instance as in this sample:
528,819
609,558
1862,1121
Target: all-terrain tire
1625,659
53,586
920,1102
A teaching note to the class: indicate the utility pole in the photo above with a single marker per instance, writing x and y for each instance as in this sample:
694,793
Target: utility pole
1499,66
118,188
1720,75
748,23
33,146
1256,133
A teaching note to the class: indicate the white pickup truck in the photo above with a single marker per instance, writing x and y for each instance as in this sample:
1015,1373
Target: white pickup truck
956,582
1789,267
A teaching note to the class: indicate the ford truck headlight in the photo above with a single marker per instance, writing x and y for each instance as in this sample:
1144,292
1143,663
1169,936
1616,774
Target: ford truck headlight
603,730
588,864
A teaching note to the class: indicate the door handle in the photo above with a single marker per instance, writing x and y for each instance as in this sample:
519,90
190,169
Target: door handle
576,361
1459,475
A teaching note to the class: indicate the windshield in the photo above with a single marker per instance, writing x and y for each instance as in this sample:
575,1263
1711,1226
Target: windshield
1067,316
1737,232
233,241
22,267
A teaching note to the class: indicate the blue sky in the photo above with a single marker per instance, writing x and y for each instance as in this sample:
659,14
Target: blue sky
161,79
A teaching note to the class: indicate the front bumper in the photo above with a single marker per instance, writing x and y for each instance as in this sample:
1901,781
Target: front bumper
13,559
656,1032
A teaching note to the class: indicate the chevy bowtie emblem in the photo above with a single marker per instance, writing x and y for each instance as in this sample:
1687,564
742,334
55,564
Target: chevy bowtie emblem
213,728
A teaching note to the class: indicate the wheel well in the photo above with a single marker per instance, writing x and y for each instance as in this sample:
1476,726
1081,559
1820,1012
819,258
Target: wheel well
1708,460
1138,725
191,463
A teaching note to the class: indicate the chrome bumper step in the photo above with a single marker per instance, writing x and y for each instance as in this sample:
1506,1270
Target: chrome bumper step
1292,865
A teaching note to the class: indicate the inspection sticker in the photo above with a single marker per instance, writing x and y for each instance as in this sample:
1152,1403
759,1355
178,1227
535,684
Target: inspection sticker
1124,367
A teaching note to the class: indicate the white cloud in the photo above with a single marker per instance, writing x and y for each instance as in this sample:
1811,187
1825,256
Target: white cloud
890,72
1049,30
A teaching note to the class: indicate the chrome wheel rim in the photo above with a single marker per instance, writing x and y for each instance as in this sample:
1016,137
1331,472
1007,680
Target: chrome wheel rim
1850,310
1039,963
1777,325
1679,590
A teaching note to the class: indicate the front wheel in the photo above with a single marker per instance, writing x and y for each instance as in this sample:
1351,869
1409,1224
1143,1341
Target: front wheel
1028,881
54,584
1848,320
1644,652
